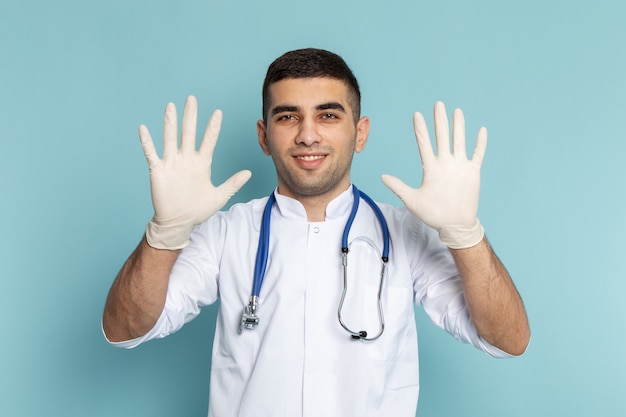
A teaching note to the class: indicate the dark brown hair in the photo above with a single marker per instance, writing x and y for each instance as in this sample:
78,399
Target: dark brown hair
312,63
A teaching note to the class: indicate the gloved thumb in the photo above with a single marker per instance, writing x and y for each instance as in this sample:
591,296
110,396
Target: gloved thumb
396,185
229,187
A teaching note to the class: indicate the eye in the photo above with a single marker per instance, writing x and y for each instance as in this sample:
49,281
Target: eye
284,117
329,116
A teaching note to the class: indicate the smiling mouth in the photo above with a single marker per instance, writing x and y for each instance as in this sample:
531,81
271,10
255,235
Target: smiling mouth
310,157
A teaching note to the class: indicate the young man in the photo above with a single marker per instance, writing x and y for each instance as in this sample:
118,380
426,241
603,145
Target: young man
289,353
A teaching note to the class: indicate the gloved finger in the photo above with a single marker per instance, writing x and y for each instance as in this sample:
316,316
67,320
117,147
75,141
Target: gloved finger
481,147
229,187
398,186
190,119
211,133
423,140
170,131
442,130
458,134
148,147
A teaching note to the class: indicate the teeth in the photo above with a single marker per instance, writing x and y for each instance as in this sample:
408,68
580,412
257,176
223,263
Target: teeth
310,157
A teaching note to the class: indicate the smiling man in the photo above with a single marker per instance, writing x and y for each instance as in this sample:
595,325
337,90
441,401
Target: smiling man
325,265
312,134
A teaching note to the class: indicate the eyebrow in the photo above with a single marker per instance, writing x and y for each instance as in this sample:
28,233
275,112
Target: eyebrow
284,109
332,105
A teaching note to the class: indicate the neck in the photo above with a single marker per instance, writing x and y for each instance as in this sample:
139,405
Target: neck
315,205
315,208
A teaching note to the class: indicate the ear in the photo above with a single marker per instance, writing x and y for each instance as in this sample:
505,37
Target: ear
261,131
362,133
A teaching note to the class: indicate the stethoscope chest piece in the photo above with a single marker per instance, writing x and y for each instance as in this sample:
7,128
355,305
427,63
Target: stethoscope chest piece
249,319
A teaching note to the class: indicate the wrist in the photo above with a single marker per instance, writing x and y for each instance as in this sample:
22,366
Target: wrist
164,235
461,236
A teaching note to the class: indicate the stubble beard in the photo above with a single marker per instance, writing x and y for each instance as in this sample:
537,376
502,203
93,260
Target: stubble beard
310,183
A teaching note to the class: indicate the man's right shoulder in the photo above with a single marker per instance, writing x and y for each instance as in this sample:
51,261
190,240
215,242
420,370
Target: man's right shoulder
250,211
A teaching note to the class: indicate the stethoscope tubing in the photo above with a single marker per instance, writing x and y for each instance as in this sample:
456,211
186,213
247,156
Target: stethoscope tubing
262,252
262,255
381,220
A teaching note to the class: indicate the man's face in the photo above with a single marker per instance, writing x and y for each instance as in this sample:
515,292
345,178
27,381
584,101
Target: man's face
311,136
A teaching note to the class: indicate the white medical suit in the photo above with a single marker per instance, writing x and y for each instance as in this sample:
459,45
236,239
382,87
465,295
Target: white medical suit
299,361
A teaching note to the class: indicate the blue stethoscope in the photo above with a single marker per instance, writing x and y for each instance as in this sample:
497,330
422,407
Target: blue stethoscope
249,319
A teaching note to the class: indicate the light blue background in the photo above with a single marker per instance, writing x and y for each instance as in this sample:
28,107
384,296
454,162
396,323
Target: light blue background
548,79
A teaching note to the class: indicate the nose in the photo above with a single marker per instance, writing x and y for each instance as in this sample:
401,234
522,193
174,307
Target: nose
308,134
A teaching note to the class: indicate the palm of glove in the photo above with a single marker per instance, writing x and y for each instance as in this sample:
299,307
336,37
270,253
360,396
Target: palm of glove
448,198
448,195
182,189
182,192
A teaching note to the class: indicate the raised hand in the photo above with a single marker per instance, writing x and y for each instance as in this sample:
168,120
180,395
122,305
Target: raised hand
448,198
182,192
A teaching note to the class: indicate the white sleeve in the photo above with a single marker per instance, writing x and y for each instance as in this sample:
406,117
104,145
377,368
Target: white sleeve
438,287
154,333
193,282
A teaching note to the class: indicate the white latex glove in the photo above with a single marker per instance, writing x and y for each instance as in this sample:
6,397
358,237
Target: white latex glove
182,193
448,197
